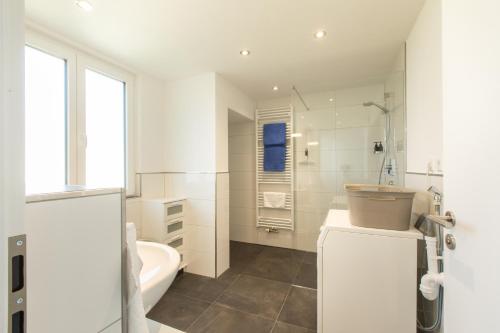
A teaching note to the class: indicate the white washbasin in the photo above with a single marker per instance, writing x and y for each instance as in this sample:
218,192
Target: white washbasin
160,266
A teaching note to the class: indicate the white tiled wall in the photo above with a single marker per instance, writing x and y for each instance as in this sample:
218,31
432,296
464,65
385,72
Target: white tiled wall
152,186
222,222
199,190
133,212
242,182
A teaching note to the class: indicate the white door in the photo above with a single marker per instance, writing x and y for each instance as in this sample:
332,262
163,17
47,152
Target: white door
11,138
471,105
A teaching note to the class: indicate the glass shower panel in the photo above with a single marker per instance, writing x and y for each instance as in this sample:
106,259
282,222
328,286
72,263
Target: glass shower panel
395,102
357,129
315,163
334,141
334,137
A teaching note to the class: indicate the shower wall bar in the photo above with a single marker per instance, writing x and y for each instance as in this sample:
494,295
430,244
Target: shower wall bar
273,218
300,97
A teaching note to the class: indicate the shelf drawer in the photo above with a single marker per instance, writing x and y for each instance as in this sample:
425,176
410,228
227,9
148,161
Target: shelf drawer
176,242
174,210
174,227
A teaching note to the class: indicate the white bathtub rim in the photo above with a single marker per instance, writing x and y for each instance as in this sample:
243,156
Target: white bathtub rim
157,284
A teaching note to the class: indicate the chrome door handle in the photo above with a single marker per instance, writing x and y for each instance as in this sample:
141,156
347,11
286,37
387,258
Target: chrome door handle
447,221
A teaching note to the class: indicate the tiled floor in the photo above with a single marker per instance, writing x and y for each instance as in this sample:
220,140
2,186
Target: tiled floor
267,289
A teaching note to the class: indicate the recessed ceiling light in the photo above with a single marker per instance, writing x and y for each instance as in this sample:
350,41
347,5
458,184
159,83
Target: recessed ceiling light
320,34
245,52
313,143
275,88
331,99
84,5
296,135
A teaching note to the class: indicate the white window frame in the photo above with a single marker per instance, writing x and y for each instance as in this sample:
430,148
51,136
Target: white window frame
77,61
94,64
48,46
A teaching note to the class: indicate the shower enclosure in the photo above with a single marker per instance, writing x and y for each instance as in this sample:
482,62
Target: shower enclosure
338,141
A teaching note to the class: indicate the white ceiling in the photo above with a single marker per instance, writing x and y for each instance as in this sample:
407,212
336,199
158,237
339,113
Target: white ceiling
173,39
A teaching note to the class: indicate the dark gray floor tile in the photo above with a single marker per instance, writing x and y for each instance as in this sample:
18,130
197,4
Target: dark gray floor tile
229,276
255,295
287,328
241,254
245,250
310,257
197,286
307,276
220,319
276,264
300,308
177,311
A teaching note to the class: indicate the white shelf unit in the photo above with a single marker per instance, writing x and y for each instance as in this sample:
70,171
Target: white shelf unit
164,222
283,181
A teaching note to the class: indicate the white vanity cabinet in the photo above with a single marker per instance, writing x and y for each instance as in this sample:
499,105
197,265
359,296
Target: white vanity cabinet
163,221
367,278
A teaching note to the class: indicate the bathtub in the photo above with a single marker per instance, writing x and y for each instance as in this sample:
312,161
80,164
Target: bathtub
160,266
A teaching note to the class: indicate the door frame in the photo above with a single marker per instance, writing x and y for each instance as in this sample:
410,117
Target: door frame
12,195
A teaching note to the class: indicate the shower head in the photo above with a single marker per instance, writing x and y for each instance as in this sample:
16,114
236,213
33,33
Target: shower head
384,110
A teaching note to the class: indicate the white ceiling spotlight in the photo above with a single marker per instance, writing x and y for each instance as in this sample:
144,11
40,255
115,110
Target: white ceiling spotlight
84,5
275,88
320,34
245,53
331,99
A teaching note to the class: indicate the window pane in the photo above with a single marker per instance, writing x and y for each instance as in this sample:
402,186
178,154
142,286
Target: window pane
45,121
105,129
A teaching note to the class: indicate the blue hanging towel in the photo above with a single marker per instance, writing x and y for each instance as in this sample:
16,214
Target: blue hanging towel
274,158
274,134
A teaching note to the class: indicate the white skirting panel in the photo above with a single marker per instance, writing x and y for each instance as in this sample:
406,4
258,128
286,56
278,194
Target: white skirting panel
74,270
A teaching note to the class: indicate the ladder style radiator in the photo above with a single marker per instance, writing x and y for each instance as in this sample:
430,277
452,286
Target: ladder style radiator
282,181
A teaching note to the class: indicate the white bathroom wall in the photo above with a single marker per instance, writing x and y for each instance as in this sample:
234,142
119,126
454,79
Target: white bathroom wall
190,125
150,117
183,150
424,91
150,136
228,97
222,217
133,212
424,99
200,245
242,181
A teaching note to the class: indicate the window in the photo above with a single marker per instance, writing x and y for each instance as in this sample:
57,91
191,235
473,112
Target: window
45,121
105,130
78,119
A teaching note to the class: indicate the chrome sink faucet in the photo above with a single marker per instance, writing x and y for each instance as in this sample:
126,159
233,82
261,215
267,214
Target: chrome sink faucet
438,196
